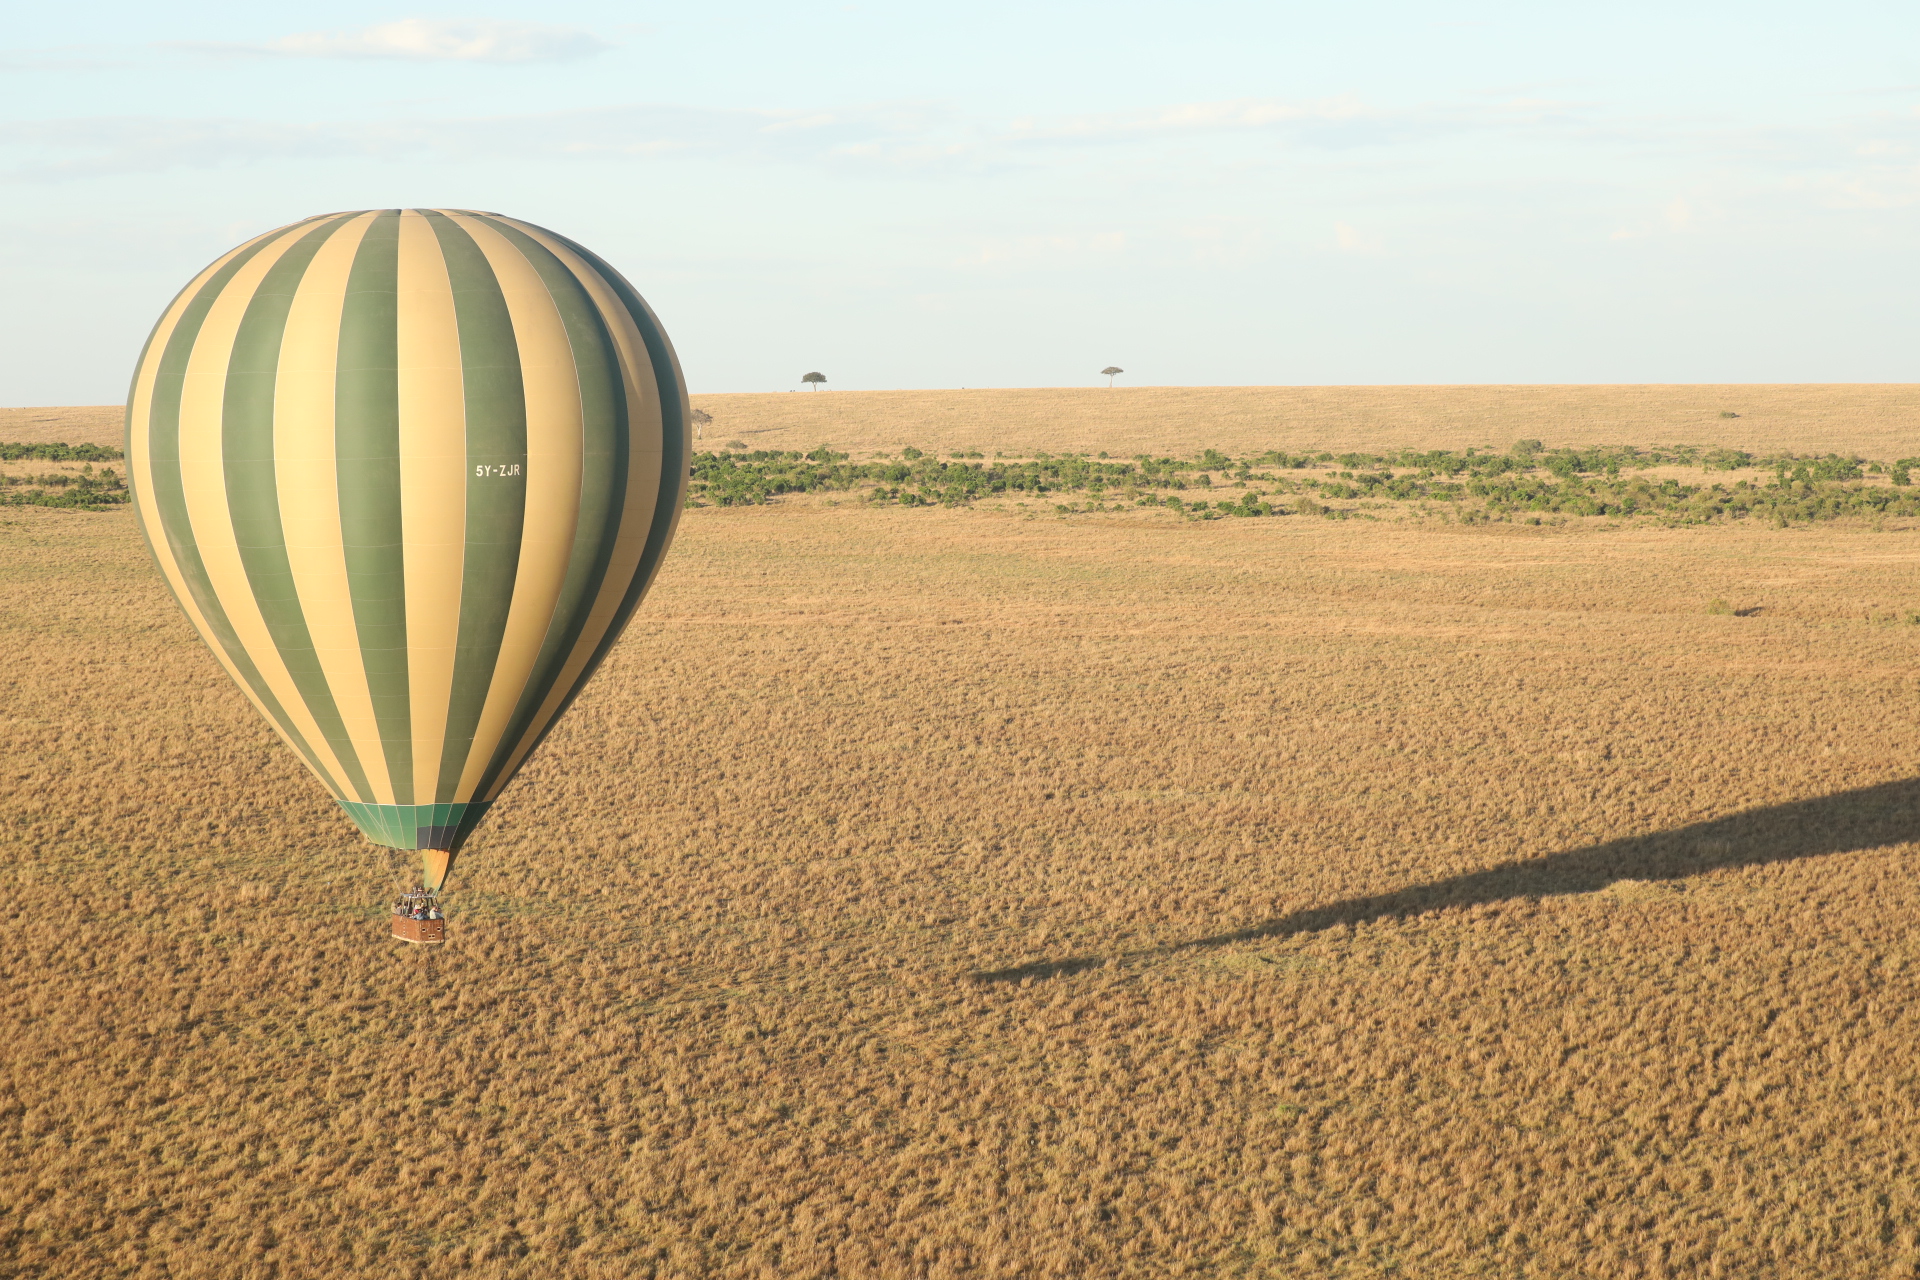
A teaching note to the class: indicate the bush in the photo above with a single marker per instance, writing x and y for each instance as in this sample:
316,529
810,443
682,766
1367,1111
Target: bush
15,452
83,491
1607,480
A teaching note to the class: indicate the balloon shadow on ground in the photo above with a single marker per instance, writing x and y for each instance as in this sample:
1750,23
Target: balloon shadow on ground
1870,818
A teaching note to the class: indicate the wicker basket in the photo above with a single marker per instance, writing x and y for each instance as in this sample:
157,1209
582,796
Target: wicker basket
407,929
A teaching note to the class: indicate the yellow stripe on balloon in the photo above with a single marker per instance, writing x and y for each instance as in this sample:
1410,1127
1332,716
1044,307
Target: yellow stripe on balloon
140,469
307,479
204,482
555,453
139,428
642,491
140,414
433,488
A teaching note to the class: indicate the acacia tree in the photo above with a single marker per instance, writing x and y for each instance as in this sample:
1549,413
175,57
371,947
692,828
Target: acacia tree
1109,371
815,378
700,420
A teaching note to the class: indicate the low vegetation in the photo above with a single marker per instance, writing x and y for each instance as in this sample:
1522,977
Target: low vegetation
78,487
1522,484
86,491
57,452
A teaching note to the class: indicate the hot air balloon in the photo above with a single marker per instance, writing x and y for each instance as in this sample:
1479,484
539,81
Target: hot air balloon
409,472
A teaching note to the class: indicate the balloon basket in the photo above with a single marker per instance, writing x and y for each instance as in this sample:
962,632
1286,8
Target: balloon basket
417,918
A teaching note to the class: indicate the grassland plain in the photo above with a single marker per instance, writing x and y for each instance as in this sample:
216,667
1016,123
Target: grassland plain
1877,420
73,424
965,892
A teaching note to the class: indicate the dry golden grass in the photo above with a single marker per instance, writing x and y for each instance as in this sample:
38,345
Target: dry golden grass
1879,421
957,893
70,424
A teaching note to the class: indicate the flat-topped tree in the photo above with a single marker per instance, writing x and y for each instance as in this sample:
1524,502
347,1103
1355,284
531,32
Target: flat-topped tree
815,379
1110,371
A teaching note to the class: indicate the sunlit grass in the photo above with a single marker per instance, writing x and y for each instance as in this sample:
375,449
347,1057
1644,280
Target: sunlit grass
940,891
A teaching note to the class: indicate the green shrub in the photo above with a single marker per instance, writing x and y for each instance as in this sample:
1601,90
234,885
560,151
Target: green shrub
1606,480
15,452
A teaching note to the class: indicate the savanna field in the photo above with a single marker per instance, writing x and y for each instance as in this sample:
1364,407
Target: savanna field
1049,881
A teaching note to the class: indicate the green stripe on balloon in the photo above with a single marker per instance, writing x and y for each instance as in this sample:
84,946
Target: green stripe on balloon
496,488
253,496
673,453
367,460
170,502
415,826
128,445
670,389
603,482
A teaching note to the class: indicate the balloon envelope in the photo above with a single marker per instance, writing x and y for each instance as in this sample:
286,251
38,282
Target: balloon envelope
409,471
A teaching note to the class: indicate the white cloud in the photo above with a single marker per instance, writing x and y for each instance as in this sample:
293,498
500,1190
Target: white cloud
1045,250
1881,187
9,64
1381,150
900,136
84,148
424,40
1715,207
1193,117
1226,241
1348,239
1677,216
71,57
45,150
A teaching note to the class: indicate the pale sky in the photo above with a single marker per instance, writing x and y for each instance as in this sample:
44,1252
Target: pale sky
1020,194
